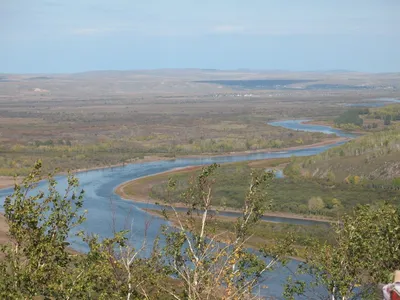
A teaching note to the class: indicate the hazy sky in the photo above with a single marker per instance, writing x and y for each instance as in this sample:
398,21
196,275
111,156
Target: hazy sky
79,35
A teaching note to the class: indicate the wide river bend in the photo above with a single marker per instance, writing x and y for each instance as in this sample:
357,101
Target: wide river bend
104,205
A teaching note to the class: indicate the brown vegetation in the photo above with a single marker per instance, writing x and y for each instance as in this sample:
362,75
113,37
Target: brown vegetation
104,118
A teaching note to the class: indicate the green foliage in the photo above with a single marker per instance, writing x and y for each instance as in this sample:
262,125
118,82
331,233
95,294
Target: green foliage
390,112
315,204
354,179
292,169
37,262
372,157
196,257
363,111
363,250
396,181
387,121
83,150
349,117
335,203
39,226
287,194
330,176
349,127
366,253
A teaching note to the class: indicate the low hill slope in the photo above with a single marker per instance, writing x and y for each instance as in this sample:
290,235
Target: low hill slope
373,157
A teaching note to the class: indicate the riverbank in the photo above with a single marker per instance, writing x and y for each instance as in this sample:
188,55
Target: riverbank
8,181
138,191
326,142
261,235
320,123
332,125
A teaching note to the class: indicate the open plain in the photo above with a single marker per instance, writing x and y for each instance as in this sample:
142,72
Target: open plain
96,119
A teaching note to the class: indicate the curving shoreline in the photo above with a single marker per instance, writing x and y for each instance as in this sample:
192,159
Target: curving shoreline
145,199
8,181
102,183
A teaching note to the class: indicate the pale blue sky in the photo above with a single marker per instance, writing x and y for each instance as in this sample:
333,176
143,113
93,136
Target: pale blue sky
79,35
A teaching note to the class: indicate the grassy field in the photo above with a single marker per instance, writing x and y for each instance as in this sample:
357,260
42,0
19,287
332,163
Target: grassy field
291,196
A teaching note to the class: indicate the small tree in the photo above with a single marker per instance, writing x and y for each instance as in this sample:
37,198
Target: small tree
336,203
316,204
388,120
330,176
38,263
194,252
194,264
366,252
39,225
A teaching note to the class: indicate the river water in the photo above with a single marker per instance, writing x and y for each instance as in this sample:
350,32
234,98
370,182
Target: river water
107,211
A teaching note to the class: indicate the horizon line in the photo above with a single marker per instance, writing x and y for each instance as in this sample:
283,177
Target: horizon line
198,69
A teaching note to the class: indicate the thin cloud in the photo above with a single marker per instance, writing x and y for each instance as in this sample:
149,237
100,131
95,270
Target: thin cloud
52,4
93,31
276,28
228,29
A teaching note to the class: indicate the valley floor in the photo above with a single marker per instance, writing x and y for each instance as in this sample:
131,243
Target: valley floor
138,190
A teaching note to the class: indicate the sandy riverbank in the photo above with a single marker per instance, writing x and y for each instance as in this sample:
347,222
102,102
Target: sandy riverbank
8,181
142,190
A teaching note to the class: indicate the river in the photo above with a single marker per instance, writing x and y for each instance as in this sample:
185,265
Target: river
106,210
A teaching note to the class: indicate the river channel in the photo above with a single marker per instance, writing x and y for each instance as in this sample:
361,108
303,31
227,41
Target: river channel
104,205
